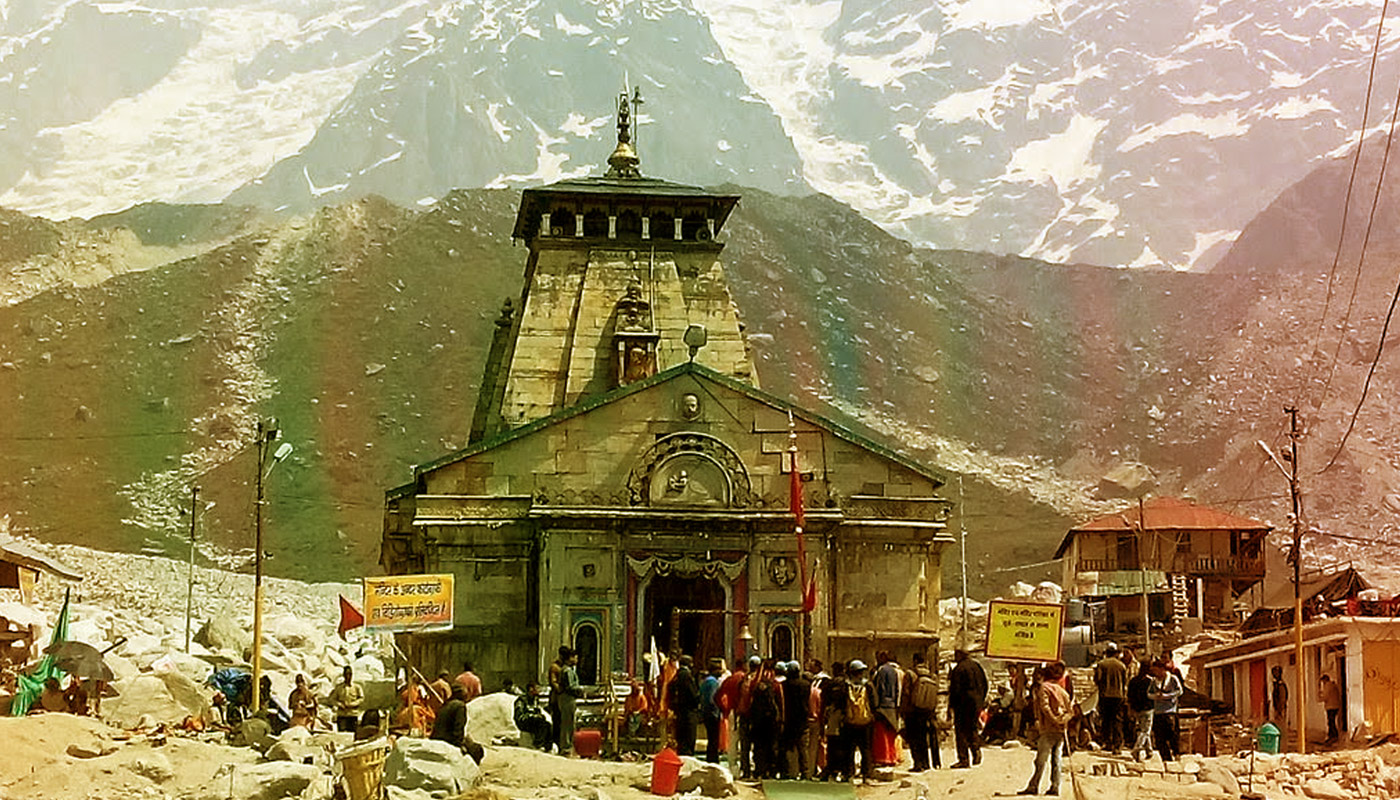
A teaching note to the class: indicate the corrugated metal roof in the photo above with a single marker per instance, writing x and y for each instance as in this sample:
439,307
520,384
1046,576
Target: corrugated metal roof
1173,514
17,552
1165,514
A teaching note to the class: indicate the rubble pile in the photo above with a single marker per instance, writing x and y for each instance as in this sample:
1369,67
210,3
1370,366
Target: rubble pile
1351,775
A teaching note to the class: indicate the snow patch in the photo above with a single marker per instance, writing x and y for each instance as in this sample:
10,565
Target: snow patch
549,166
502,130
570,28
1299,107
320,191
581,126
1205,241
1065,158
195,135
992,14
981,103
1216,127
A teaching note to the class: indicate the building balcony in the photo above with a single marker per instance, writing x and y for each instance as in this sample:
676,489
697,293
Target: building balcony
1201,566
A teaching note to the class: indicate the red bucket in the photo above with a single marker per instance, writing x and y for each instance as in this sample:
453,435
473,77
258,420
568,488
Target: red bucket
588,743
665,772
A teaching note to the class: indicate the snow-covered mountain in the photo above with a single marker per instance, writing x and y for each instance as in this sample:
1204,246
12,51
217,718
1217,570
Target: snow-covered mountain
1108,131
497,94
1126,132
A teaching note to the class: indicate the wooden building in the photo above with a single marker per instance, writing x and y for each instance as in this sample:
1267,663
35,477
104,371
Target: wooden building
1191,562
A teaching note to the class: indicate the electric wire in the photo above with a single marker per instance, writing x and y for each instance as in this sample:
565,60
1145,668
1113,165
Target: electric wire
1346,206
1395,296
1361,257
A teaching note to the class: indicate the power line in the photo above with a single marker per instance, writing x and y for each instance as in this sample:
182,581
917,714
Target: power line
1395,296
1361,256
1349,538
88,436
1370,373
1346,204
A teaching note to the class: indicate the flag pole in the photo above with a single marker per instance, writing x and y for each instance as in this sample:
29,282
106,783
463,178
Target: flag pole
806,585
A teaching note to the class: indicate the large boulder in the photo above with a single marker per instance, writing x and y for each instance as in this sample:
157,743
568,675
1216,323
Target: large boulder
273,780
222,633
368,666
145,695
1214,772
430,765
191,696
294,744
1127,480
491,718
712,780
295,633
1325,789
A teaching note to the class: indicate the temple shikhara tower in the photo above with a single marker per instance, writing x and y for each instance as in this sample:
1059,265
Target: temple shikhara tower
628,482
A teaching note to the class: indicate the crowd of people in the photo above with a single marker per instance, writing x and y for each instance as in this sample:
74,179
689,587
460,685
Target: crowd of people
781,719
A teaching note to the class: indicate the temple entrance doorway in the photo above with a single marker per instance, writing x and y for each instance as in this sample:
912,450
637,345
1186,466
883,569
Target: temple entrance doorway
700,635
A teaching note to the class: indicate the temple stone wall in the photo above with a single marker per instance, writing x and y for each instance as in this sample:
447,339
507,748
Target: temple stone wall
564,349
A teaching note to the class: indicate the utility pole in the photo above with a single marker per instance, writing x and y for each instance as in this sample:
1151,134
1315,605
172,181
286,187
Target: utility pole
1142,579
1296,496
264,437
267,434
189,593
962,546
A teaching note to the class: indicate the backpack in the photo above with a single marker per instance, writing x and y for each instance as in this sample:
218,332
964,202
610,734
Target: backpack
858,706
925,693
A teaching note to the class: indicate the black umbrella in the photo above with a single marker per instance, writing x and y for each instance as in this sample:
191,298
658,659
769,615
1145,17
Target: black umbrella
80,660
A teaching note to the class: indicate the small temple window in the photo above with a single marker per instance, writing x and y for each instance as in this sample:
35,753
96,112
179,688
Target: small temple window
595,223
780,642
586,641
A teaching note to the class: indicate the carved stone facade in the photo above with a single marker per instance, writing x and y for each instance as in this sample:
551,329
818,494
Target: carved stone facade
608,503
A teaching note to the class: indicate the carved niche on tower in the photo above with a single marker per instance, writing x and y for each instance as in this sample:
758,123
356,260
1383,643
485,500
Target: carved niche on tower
634,337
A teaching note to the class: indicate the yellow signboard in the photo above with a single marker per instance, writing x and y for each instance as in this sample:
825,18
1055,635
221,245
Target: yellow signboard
404,603
1024,631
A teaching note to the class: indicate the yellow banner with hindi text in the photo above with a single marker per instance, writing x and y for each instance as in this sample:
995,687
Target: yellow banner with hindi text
1019,631
408,603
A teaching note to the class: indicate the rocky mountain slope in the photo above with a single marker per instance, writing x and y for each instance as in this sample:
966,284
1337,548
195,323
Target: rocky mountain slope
362,328
1123,132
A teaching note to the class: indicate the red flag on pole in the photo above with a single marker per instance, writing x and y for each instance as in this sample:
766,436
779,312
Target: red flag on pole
799,514
350,617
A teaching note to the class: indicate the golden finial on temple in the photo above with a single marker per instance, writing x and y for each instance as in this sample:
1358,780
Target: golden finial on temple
624,160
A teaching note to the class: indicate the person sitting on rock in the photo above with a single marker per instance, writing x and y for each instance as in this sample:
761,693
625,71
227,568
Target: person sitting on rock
369,726
76,697
414,717
451,723
303,704
51,698
530,717
276,716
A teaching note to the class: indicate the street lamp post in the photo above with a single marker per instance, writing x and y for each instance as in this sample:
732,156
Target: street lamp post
267,434
1295,495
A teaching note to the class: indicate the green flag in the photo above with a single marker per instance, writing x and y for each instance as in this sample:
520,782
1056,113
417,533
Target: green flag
30,686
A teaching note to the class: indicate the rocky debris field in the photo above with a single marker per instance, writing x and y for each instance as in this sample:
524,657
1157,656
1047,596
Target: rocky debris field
158,737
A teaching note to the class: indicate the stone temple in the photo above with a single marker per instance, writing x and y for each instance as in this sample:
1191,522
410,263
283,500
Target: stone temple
627,482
